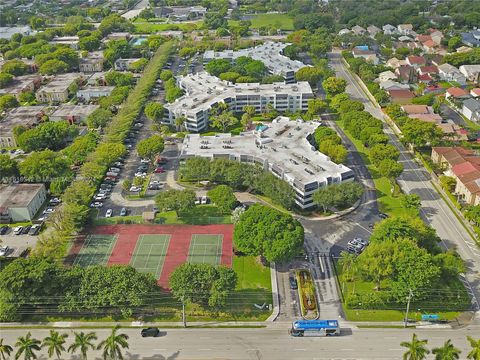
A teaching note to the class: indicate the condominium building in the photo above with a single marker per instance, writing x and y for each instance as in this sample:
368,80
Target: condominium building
270,53
57,90
202,91
283,147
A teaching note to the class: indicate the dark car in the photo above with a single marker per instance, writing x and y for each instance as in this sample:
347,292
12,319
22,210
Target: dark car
3,230
293,283
383,215
150,332
26,229
123,212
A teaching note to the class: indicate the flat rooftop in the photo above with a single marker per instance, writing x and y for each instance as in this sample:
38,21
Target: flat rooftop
18,195
22,115
270,53
203,90
19,84
61,82
282,143
81,111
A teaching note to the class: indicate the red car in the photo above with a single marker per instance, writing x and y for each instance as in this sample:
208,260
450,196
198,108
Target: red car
159,170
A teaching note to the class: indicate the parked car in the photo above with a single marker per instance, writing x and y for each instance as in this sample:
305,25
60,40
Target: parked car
140,174
198,201
361,241
383,215
135,188
18,230
111,173
123,212
4,250
204,200
150,332
55,201
138,125
109,213
293,283
115,169
96,204
145,161
49,210
35,229
26,229
118,164
99,197
4,229
142,167
111,178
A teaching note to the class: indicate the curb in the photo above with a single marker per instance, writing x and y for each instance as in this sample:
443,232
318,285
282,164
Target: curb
275,294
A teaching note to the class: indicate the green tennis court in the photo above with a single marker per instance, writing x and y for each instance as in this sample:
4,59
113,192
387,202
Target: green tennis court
149,254
96,250
205,249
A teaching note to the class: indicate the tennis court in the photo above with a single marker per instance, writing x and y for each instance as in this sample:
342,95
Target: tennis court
149,254
96,250
205,249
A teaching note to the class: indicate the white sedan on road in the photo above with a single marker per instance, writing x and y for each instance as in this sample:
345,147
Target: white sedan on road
109,213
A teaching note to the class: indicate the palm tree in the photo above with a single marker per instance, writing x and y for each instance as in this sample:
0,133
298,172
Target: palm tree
474,354
446,352
416,349
54,343
113,344
5,350
82,343
27,346
180,122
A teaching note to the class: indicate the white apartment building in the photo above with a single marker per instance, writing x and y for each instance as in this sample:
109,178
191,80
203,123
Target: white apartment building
282,147
203,91
270,53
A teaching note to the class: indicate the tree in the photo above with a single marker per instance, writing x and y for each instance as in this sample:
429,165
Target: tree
27,346
82,343
338,195
323,197
222,196
116,78
150,147
337,152
48,135
446,352
112,346
416,349
411,201
224,120
334,85
15,67
138,66
5,350
52,67
89,43
389,168
176,200
311,74
448,183
338,100
5,80
316,106
54,343
203,284
99,118
249,109
383,151
44,166
8,102
154,111
8,167
472,214
218,66
420,133
265,231
474,354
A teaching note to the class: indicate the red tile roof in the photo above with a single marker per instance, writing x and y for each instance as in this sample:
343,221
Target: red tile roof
416,109
457,92
425,77
402,93
423,38
414,59
429,69
465,168
429,43
475,91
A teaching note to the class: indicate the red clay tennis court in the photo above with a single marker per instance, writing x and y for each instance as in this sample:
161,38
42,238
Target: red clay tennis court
157,249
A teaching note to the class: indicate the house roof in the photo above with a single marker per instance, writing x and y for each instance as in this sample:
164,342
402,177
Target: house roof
473,186
464,168
423,38
416,109
475,92
406,94
457,92
429,43
415,59
425,77
472,104
430,69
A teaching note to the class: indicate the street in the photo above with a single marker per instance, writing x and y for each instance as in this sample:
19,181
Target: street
270,343
414,179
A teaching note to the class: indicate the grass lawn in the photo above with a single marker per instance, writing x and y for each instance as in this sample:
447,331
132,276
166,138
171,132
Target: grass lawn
199,215
280,21
448,84
391,315
387,202
148,27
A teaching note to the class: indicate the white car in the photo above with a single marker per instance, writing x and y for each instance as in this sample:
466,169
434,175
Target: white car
48,210
109,213
135,188
198,201
18,230
99,197
145,161
4,250
204,200
138,125
96,204
140,174
19,152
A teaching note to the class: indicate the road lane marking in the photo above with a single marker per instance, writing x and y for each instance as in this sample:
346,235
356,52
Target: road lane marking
205,349
299,349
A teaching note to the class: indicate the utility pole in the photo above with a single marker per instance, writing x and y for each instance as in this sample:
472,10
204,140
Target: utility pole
184,320
410,295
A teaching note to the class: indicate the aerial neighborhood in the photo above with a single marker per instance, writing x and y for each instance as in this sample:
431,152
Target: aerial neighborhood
213,180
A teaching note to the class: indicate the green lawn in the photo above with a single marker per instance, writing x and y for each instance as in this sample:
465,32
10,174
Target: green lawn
148,27
251,274
280,21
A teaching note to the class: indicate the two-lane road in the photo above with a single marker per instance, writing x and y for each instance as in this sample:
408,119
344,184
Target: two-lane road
416,180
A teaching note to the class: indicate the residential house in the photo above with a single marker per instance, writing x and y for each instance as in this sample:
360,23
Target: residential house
27,116
436,35
389,29
92,63
395,63
475,92
416,61
430,46
94,92
449,72
373,30
467,176
21,84
71,41
401,96
74,114
118,36
463,49
406,74
58,90
422,38
386,75
344,31
124,64
368,55
358,30
428,69
471,72
436,59
405,29
425,79
471,38
471,109
447,156
393,85
405,38
180,13
8,31
21,202
456,93
97,79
